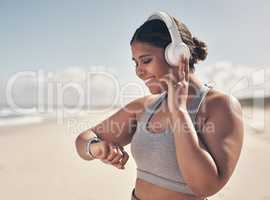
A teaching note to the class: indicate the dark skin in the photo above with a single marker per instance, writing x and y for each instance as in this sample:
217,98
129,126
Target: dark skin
207,163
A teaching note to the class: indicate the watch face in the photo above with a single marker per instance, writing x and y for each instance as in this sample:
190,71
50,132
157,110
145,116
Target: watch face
95,140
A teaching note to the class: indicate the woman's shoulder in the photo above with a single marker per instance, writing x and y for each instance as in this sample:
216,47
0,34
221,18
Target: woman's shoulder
218,101
222,114
144,102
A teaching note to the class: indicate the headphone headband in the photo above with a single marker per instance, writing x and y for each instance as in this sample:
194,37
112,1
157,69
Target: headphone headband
168,20
177,47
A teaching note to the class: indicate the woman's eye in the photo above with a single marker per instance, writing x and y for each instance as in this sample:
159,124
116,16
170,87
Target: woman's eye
147,61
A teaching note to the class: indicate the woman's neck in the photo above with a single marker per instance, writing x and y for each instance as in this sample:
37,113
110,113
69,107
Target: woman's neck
195,84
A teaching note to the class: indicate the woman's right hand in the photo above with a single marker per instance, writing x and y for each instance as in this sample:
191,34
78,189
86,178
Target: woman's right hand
110,153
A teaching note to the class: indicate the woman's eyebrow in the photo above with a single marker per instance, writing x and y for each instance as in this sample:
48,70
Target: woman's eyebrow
141,56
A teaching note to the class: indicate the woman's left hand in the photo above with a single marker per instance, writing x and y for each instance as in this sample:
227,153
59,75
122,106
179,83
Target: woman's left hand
177,82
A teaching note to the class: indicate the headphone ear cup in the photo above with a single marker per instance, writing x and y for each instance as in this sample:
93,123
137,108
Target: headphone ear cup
173,53
169,54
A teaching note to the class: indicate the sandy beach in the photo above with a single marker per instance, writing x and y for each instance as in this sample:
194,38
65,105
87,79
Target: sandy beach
39,161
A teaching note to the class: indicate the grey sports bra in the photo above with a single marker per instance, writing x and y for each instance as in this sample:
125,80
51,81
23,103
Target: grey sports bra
154,153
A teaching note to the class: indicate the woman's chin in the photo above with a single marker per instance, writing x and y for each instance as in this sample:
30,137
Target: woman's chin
156,89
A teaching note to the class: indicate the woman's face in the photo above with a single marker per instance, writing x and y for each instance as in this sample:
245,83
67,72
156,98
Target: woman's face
150,65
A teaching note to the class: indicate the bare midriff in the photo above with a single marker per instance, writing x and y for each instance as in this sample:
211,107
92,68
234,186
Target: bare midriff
148,191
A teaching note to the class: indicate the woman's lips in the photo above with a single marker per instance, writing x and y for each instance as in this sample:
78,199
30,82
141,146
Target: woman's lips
152,81
149,79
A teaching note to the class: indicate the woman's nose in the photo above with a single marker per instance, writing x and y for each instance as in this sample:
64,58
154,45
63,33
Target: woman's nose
140,71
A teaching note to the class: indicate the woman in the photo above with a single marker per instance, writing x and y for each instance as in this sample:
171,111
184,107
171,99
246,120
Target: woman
186,137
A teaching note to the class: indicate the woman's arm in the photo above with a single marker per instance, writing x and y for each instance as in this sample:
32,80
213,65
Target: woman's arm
207,168
117,129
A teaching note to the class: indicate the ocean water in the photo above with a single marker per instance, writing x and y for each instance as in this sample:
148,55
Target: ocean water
9,117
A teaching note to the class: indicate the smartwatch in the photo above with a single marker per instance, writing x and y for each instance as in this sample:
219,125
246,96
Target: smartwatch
88,144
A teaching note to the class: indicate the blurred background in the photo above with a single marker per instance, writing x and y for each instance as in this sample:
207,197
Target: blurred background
66,65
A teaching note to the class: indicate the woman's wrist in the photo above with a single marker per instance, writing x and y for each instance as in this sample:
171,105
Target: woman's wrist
89,147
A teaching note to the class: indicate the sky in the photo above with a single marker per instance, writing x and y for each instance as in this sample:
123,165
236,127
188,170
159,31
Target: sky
74,36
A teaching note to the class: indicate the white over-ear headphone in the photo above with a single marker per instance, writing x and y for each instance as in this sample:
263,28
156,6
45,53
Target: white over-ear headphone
177,47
